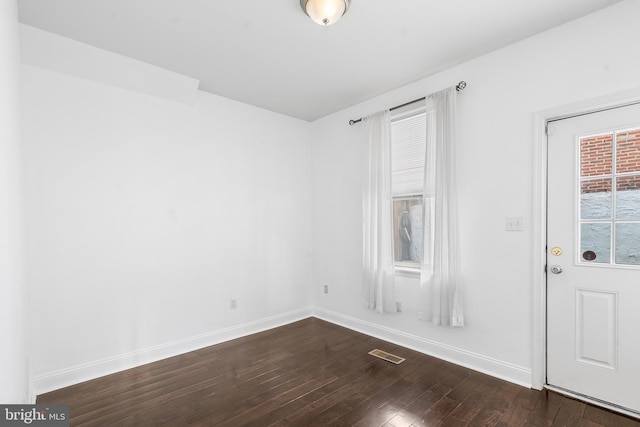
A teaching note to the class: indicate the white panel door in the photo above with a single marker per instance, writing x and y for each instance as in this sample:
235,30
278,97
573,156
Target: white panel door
593,256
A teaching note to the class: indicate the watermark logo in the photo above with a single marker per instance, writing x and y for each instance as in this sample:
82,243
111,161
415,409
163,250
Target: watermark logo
34,415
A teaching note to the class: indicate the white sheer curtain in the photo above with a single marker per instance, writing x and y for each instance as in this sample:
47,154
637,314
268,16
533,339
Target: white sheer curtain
440,285
378,289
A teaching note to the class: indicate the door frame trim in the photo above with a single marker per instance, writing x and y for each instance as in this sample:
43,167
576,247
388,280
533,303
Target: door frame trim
539,216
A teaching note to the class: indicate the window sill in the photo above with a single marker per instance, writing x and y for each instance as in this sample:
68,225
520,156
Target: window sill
407,271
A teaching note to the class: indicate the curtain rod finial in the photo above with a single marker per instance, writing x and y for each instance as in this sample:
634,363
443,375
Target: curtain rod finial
460,86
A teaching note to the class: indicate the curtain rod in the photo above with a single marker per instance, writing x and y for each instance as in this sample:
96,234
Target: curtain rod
460,86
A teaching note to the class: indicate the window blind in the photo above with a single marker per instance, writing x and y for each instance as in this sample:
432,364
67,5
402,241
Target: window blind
408,147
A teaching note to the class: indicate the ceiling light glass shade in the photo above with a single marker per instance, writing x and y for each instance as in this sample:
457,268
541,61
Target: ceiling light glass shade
325,12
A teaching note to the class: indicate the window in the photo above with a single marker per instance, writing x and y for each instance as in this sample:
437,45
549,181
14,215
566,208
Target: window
408,145
609,180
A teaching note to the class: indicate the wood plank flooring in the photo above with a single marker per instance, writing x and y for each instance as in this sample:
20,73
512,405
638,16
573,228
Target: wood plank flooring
314,373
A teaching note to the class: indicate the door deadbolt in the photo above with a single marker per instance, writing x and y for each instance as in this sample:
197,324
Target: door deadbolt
556,269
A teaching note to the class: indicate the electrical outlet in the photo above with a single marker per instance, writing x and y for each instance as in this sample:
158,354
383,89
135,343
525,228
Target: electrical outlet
326,289
399,306
233,304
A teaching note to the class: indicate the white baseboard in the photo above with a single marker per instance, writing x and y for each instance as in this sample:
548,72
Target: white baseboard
487,365
88,371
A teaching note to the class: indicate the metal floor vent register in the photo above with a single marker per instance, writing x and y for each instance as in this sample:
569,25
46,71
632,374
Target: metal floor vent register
387,356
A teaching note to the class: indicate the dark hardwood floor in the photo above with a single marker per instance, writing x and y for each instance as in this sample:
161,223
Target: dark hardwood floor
315,373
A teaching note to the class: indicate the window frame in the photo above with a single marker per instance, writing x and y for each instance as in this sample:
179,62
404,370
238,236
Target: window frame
614,175
406,268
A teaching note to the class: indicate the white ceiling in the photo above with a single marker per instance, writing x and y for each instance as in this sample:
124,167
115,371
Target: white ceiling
268,53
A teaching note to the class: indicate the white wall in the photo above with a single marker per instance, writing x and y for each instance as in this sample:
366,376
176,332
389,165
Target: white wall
146,216
585,59
14,381
148,208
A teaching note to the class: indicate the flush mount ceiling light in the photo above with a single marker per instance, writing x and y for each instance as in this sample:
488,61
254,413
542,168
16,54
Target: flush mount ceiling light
325,12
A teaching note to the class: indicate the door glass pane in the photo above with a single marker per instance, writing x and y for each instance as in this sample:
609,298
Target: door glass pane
628,197
628,243
595,199
596,155
595,238
628,151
